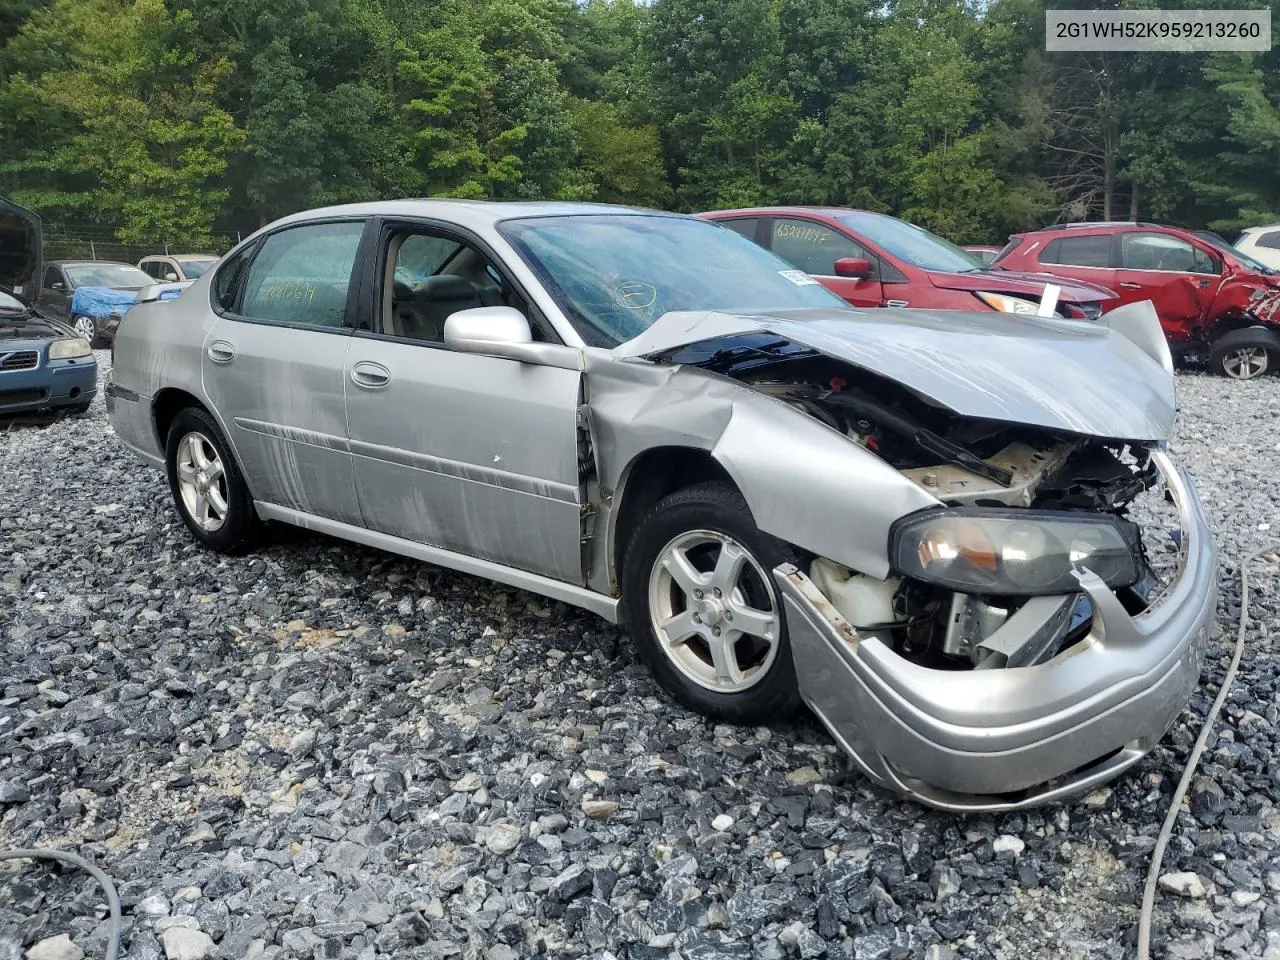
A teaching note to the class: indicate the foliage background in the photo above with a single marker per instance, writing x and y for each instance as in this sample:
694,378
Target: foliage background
184,121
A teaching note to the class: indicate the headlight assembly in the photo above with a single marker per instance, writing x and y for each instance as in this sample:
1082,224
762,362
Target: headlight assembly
1007,304
69,349
1021,552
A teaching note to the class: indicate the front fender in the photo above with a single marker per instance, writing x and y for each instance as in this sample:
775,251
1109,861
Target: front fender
813,487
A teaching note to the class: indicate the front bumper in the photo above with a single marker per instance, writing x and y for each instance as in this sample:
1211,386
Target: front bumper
52,384
1003,739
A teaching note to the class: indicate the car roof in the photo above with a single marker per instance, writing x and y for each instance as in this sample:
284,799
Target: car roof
796,210
467,213
1265,226
180,257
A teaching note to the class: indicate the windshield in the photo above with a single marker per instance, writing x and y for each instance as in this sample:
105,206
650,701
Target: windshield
1208,236
107,275
615,274
194,268
913,244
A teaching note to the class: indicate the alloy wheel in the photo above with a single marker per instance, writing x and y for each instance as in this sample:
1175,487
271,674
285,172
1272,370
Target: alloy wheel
715,611
202,482
1245,363
86,328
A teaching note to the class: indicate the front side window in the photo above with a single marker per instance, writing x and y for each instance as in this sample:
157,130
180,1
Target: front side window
812,247
1158,251
301,275
745,226
1091,251
51,276
431,278
615,274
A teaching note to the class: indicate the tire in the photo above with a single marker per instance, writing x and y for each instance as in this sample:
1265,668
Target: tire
224,518
1245,354
696,523
87,328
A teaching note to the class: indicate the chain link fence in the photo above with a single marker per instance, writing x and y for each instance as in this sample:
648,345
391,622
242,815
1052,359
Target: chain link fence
64,241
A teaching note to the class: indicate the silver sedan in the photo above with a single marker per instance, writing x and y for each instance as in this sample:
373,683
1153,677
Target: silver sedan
916,523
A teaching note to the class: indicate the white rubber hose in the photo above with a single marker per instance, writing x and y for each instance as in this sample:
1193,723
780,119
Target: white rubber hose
1175,805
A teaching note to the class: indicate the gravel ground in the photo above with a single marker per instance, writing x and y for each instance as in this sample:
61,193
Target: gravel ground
324,751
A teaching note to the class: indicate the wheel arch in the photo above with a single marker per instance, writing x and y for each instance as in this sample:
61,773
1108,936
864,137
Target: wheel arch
646,479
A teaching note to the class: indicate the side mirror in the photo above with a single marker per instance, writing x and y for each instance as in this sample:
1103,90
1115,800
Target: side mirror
171,276
57,285
504,332
480,328
857,267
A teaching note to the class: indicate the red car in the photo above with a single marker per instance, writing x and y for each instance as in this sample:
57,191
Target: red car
874,260
1213,301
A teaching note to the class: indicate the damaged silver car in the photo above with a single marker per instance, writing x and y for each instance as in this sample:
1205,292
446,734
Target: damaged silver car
917,523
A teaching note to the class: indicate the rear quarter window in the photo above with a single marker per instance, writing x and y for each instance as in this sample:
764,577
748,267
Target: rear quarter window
1270,240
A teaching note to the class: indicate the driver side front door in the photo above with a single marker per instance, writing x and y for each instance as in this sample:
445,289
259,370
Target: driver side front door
475,454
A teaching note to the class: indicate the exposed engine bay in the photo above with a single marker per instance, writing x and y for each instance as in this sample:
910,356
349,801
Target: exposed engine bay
964,463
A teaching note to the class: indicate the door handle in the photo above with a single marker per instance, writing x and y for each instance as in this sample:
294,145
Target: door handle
221,352
370,375
1129,286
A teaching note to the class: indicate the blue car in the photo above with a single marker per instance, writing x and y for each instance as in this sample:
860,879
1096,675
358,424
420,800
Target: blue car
44,364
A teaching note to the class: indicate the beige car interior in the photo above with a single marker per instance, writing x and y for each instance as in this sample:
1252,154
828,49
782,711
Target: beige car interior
417,309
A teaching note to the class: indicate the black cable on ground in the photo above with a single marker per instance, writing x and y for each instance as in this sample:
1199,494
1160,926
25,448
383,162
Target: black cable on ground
1162,841
113,899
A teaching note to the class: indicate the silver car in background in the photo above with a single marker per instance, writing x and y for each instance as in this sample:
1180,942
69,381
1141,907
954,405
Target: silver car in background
917,523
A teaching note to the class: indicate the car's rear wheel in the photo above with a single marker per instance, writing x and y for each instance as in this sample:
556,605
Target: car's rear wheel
207,486
1245,354
87,329
703,607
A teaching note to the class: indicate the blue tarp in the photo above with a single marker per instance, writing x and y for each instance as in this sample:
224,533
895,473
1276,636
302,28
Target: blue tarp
101,302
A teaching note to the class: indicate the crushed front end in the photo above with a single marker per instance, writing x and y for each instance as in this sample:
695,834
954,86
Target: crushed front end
1041,629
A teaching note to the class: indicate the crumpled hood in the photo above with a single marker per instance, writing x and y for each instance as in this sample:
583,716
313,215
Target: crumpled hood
1110,378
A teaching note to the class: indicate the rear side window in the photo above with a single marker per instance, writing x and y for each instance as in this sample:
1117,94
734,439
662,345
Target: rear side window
1094,251
301,275
745,226
1269,240
227,283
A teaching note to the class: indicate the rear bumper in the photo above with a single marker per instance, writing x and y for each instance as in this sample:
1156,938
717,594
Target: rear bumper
130,415
54,384
1016,737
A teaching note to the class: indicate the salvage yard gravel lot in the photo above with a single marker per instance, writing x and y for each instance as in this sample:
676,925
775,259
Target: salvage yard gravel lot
319,750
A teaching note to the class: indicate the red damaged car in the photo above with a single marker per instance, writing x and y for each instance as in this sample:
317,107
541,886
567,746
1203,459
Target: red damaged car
1214,302
874,260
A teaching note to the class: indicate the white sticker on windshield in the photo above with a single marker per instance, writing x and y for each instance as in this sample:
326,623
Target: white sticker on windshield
798,277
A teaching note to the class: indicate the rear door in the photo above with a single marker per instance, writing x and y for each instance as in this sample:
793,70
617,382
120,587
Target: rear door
273,365
478,455
1178,277
815,247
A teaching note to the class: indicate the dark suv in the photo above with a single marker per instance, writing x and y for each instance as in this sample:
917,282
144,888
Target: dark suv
1214,302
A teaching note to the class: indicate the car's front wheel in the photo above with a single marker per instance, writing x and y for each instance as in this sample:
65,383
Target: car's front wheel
207,486
86,328
1245,354
703,607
